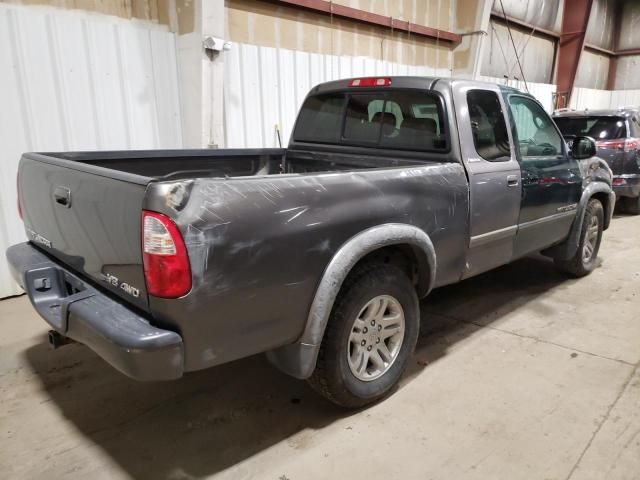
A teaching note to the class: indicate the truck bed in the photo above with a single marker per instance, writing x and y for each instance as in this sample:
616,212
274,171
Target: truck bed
181,164
85,207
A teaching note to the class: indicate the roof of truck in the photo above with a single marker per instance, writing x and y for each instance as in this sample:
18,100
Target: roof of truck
410,82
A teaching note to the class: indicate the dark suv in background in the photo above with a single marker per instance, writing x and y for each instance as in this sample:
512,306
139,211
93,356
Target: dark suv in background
617,135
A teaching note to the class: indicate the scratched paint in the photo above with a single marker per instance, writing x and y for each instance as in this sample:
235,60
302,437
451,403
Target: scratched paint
262,242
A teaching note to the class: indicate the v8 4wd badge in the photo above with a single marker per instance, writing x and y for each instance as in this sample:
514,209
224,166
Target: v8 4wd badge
113,280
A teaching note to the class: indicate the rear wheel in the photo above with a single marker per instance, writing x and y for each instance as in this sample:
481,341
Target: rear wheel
632,205
584,260
370,337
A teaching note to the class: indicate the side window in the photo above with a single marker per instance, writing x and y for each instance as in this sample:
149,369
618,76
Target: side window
537,136
488,127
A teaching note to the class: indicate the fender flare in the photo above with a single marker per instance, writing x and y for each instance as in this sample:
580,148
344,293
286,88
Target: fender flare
568,248
299,359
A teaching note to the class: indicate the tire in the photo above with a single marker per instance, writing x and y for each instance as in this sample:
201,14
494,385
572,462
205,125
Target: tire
339,375
632,205
584,260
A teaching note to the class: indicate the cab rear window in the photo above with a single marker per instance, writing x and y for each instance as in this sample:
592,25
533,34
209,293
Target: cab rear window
397,119
600,128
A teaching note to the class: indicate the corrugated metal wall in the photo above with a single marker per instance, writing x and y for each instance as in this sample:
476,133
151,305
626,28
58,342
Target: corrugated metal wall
590,98
627,73
587,98
628,70
76,81
601,27
153,10
545,14
500,60
262,23
629,31
265,86
593,70
499,57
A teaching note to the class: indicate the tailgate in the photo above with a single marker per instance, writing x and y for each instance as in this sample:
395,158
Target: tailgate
88,220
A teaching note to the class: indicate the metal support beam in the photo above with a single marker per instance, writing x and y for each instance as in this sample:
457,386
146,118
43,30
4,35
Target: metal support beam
613,59
631,51
362,16
572,37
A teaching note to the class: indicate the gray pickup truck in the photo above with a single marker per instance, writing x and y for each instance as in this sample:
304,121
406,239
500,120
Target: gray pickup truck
165,262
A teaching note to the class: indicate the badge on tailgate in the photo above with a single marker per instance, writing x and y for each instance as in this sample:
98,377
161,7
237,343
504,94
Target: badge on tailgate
113,280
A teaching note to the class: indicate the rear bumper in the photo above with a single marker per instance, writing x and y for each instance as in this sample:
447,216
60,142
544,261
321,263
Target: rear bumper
77,310
629,185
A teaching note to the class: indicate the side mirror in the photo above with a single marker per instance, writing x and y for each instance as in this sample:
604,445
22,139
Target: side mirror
583,148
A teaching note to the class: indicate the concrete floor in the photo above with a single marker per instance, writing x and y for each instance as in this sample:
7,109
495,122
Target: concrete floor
520,373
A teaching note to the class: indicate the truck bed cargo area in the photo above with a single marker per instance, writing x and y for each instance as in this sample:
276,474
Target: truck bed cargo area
178,164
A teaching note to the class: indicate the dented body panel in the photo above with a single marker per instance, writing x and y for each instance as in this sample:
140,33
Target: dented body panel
259,246
271,234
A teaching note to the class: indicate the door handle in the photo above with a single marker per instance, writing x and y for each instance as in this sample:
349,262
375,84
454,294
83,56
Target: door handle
512,181
62,196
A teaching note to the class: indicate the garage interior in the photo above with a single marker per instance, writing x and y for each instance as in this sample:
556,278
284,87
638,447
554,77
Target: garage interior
519,373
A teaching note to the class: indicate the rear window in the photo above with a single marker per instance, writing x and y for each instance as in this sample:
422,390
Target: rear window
395,119
600,128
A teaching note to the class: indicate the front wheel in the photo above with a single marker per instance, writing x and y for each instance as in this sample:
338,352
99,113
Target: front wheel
370,336
584,260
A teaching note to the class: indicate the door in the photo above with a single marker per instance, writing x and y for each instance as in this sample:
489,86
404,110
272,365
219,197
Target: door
551,179
494,175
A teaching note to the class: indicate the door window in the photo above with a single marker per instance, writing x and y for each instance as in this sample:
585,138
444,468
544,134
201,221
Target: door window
537,135
488,127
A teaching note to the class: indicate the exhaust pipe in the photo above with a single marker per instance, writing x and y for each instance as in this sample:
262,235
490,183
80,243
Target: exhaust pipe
57,340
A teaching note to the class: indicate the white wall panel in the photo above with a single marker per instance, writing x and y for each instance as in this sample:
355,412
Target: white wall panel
590,98
625,98
265,86
76,81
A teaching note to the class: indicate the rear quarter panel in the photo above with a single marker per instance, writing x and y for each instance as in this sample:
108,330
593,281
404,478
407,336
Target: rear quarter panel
258,246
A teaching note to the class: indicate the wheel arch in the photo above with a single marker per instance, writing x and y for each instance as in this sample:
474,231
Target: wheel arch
379,242
603,193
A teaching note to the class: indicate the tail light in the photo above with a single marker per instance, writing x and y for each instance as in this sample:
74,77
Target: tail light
617,181
166,264
18,196
622,144
370,82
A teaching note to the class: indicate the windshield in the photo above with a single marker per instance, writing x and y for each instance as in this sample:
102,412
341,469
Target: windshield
600,128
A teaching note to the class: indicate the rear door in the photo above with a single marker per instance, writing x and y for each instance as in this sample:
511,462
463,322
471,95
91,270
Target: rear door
551,179
494,175
87,219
